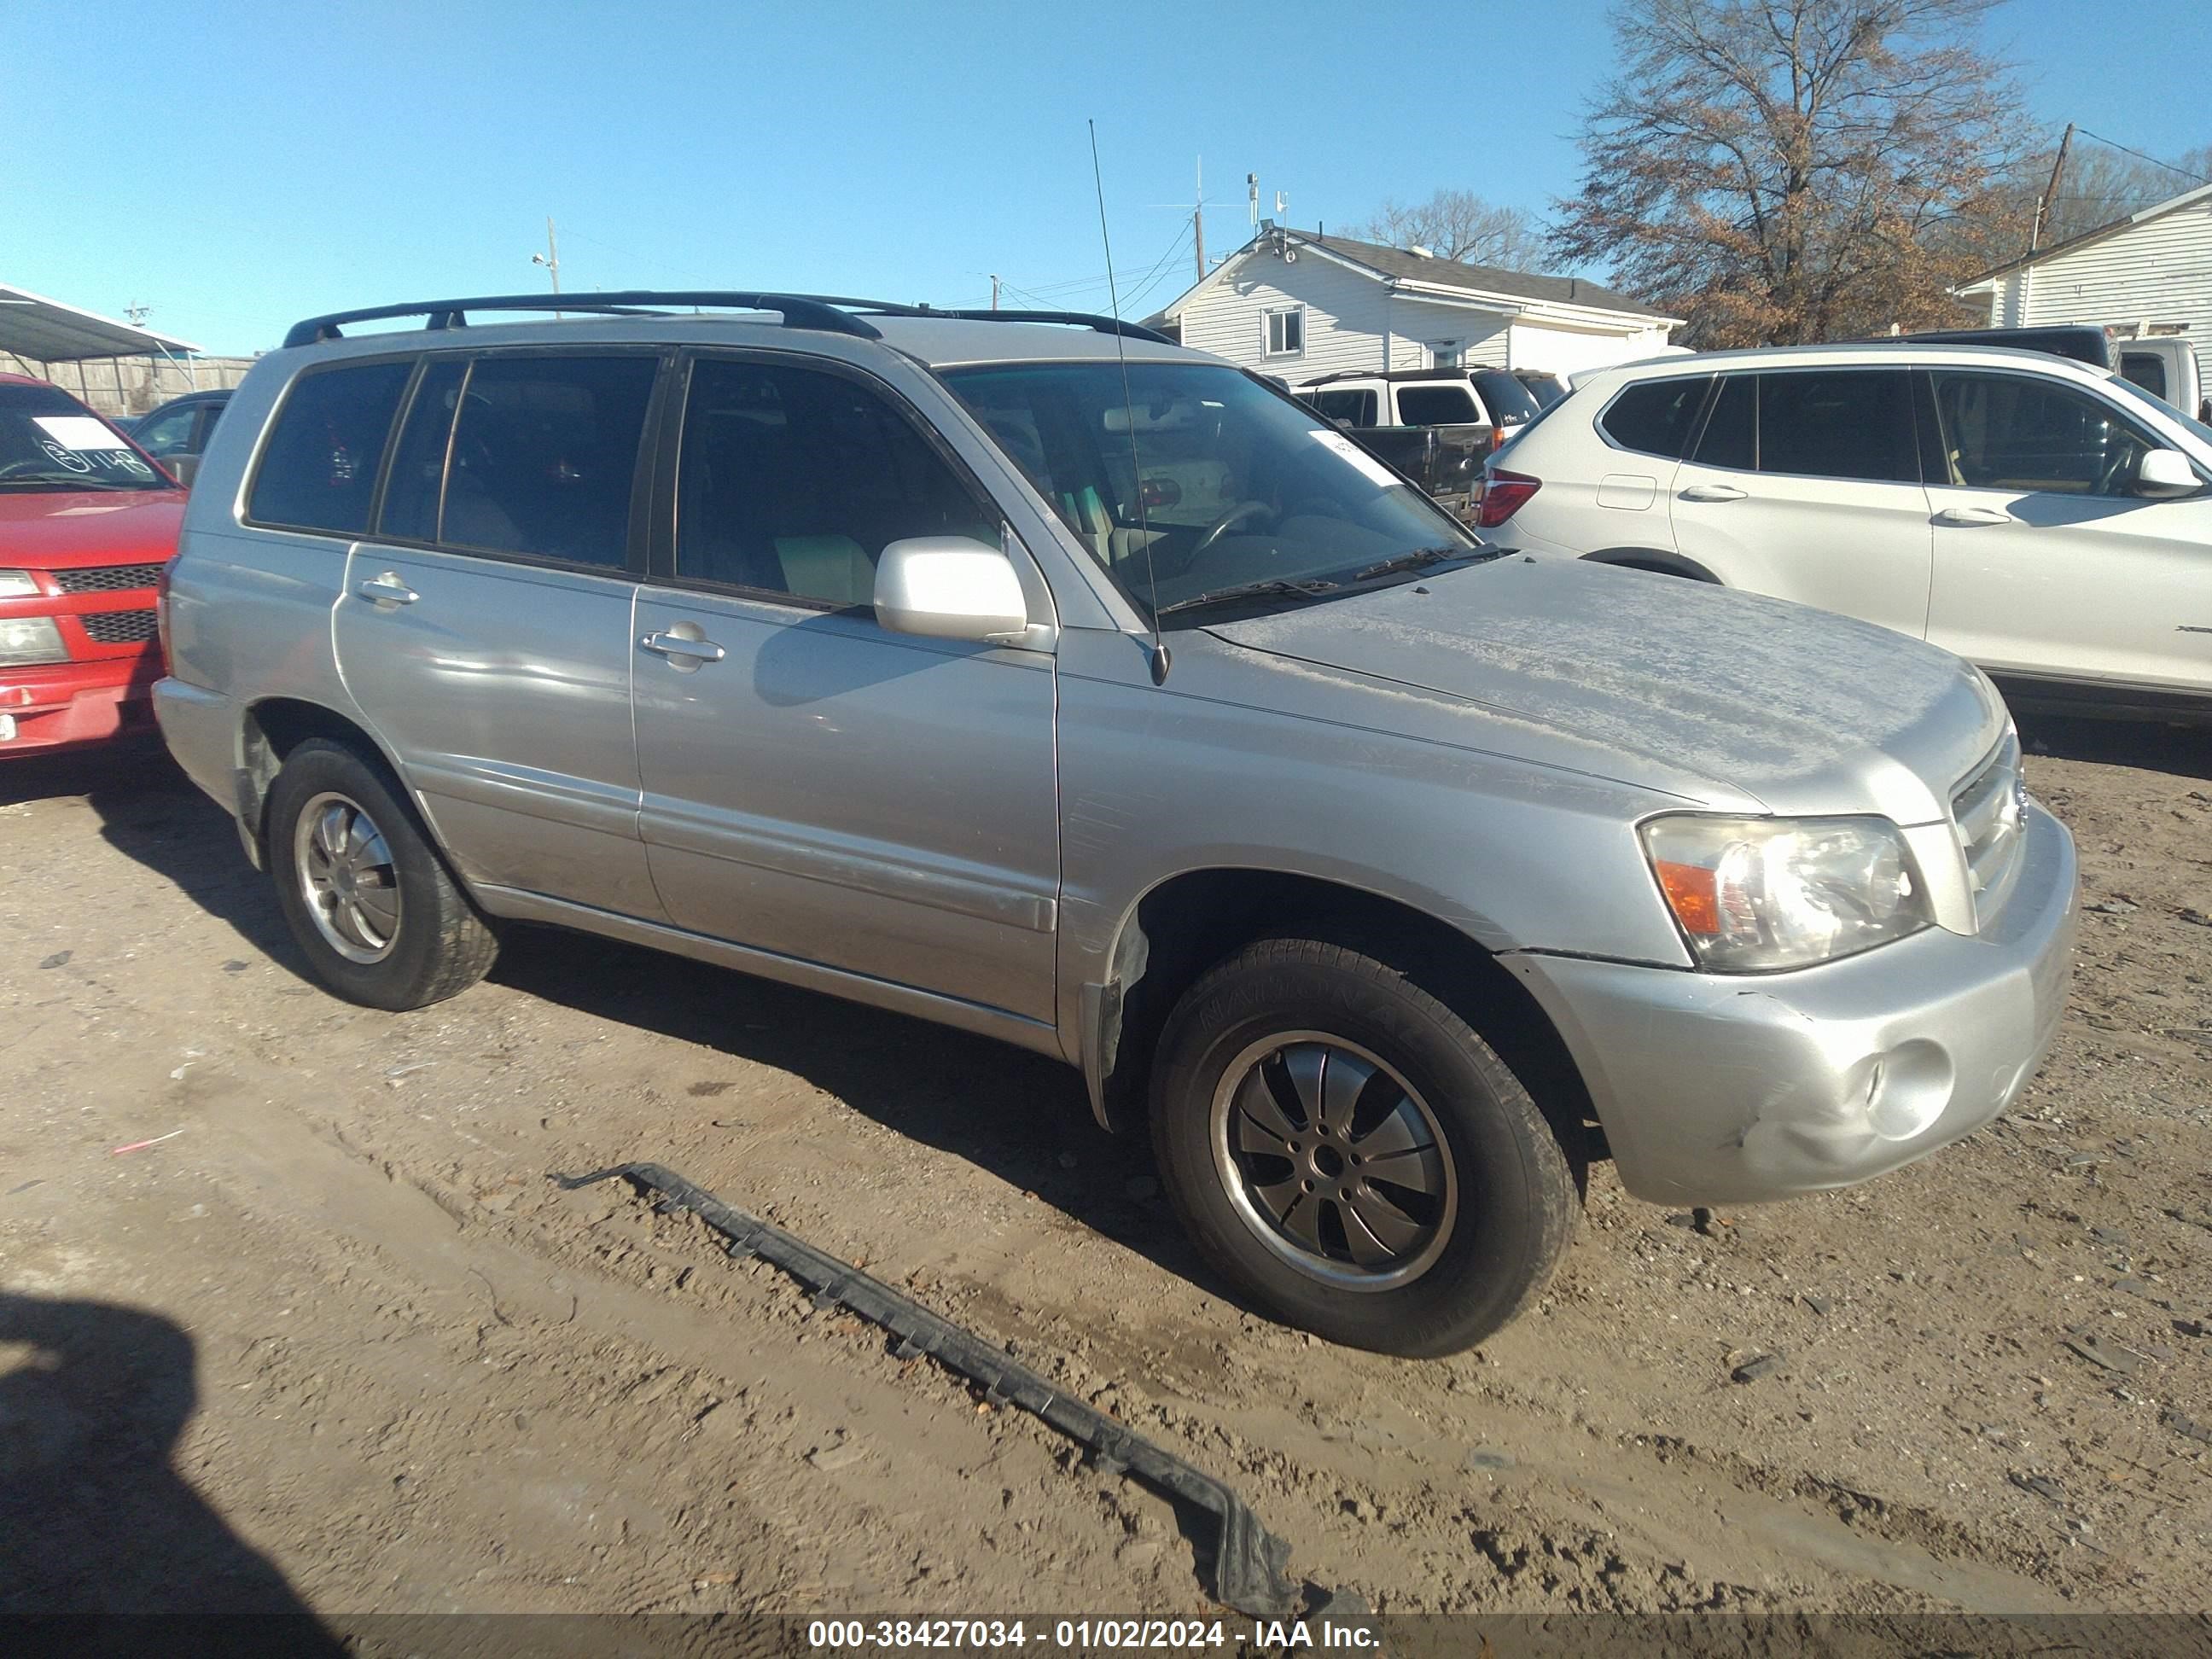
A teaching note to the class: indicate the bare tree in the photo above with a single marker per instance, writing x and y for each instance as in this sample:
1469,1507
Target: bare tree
1457,224
1799,170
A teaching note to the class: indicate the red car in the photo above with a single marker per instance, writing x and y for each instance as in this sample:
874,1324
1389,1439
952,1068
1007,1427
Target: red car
86,521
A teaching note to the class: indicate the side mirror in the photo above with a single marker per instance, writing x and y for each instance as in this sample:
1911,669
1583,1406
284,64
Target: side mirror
2163,474
182,468
948,587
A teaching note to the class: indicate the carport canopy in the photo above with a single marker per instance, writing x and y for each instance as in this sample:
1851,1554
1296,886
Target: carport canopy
48,332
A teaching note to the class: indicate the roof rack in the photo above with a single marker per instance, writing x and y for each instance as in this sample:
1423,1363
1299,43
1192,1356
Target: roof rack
799,310
1089,320
829,314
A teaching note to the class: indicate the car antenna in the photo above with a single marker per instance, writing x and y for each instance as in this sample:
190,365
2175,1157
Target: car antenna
1160,661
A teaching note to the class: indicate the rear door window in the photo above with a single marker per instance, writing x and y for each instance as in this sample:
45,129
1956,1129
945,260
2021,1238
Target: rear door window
1838,424
1437,405
1731,435
1350,405
544,457
413,493
319,468
2146,370
1655,417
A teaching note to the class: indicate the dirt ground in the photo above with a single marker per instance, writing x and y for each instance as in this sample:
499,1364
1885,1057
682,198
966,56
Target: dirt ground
334,1339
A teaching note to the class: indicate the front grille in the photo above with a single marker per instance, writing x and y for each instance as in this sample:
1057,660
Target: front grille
108,578
119,627
1987,814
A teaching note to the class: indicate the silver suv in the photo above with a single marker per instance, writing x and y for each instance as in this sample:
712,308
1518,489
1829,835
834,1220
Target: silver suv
1041,678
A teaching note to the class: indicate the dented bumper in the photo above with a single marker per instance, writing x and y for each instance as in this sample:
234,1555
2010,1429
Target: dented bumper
1732,1089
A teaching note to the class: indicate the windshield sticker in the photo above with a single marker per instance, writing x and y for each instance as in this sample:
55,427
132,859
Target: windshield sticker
78,432
1369,466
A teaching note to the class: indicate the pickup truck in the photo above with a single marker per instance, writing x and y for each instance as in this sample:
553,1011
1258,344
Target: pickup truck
2164,365
1436,426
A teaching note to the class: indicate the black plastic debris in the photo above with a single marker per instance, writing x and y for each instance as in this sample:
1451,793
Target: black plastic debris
1250,1563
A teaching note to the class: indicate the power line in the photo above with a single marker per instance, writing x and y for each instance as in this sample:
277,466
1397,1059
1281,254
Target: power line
2140,157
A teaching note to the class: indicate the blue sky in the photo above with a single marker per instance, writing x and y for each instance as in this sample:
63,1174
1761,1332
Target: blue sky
235,165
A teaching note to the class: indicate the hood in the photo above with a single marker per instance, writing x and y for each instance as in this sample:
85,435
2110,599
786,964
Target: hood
1805,711
59,530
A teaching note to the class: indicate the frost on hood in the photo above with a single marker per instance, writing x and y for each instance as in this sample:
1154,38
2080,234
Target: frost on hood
1726,686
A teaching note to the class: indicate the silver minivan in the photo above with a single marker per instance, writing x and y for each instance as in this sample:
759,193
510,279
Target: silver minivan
1038,676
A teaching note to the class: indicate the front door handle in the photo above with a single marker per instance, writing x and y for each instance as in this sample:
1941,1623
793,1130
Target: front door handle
1973,515
387,589
681,650
1713,492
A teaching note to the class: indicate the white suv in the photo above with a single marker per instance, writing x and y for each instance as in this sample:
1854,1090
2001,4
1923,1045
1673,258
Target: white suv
2042,518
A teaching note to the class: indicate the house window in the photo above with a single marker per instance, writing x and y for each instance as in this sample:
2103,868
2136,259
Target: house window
1285,332
1446,353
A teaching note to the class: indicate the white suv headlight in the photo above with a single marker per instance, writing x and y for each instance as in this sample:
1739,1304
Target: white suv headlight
1755,895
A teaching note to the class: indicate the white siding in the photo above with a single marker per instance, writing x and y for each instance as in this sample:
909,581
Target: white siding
1349,315
2158,272
1345,314
1568,351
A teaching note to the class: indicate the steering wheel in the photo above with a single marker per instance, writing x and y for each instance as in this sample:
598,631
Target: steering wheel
1235,515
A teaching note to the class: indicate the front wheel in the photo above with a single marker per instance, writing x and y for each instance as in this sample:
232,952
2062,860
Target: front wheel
381,920
1350,1153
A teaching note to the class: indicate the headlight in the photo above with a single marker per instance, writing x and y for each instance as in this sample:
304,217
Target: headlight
28,639
1754,895
17,585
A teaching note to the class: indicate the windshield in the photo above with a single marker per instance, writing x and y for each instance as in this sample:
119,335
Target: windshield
50,442
2196,428
1223,484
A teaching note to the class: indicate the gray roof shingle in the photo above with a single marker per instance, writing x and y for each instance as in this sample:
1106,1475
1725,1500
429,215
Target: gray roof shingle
1450,273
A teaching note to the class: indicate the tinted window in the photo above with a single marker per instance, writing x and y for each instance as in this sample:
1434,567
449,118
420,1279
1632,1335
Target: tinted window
1655,416
320,464
2145,370
1437,405
169,433
792,481
1357,407
418,464
544,454
1842,423
1731,434
2010,432
1509,401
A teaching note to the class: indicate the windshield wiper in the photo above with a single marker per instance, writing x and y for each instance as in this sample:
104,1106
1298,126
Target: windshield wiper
1422,557
1273,587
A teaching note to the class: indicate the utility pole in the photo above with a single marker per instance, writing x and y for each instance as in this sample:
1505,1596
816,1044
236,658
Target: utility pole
1197,219
2049,196
551,257
994,290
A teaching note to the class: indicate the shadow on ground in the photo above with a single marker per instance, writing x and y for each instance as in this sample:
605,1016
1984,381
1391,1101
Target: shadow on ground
1024,1118
93,1517
2183,751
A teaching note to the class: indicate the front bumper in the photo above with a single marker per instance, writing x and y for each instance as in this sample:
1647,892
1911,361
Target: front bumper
73,704
1733,1089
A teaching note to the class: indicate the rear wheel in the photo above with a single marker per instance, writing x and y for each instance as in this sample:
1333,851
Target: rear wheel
1346,1149
381,920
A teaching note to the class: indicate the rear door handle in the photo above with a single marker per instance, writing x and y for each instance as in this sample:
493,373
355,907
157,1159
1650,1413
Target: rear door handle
1974,515
387,589
1713,492
679,649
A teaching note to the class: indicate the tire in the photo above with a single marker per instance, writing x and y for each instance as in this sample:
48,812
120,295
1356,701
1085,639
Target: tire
384,925
1469,1227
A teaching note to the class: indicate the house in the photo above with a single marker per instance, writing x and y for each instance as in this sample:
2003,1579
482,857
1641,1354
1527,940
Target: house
1301,305
2148,274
